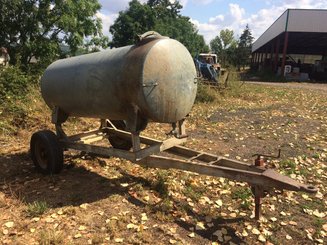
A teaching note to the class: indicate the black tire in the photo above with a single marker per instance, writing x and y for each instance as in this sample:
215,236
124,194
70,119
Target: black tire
118,142
46,152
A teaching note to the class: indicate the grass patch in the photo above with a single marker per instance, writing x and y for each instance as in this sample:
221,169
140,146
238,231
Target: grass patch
242,193
161,184
37,208
205,94
314,204
288,167
51,238
194,192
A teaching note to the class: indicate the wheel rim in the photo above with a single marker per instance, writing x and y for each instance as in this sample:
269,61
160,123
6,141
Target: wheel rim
41,155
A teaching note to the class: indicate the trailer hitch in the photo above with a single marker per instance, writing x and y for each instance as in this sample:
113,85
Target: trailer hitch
259,191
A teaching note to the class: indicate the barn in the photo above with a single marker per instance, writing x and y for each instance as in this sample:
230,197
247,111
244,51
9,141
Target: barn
294,46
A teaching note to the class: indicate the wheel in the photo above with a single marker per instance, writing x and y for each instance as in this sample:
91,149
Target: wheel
118,142
46,152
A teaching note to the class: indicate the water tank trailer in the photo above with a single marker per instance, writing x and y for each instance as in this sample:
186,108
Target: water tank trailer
151,81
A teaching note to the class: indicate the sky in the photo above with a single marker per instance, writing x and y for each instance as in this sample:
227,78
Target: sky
211,16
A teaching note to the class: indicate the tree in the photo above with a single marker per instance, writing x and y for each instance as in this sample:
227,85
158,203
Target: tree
165,8
216,45
162,16
37,28
223,45
227,37
245,46
136,20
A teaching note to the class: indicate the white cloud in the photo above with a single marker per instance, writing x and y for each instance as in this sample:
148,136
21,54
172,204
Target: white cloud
236,11
237,18
107,21
233,20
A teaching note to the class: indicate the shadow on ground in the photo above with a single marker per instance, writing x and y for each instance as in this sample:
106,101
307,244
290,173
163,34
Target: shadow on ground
76,185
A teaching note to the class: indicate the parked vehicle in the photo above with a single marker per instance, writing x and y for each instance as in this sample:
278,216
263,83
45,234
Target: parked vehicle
207,66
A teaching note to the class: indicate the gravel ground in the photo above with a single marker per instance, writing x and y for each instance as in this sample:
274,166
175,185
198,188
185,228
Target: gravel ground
322,87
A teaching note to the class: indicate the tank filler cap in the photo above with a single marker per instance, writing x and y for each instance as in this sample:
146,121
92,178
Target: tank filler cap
149,35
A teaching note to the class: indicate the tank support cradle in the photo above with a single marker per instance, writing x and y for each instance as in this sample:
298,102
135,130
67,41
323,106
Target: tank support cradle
146,151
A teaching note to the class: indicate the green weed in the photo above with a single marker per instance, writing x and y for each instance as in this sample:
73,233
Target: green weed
37,208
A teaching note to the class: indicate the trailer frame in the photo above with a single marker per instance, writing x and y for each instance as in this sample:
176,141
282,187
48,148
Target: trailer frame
149,152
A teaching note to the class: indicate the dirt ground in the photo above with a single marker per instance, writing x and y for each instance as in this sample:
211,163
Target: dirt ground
322,87
113,201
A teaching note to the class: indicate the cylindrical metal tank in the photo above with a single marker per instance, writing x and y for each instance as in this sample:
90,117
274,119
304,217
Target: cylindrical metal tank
156,77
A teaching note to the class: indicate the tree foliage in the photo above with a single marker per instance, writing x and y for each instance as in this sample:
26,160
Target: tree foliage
162,16
136,20
227,37
222,45
231,51
37,28
245,46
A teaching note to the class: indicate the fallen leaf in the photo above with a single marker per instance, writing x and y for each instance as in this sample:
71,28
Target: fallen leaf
144,217
293,223
255,231
84,205
49,220
219,202
261,238
273,219
119,240
318,214
244,233
172,241
283,223
78,235
227,238
218,233
9,224
319,240
36,219
82,228
172,230
199,226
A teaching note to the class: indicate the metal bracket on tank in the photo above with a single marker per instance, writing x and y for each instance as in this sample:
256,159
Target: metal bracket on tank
58,117
178,129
